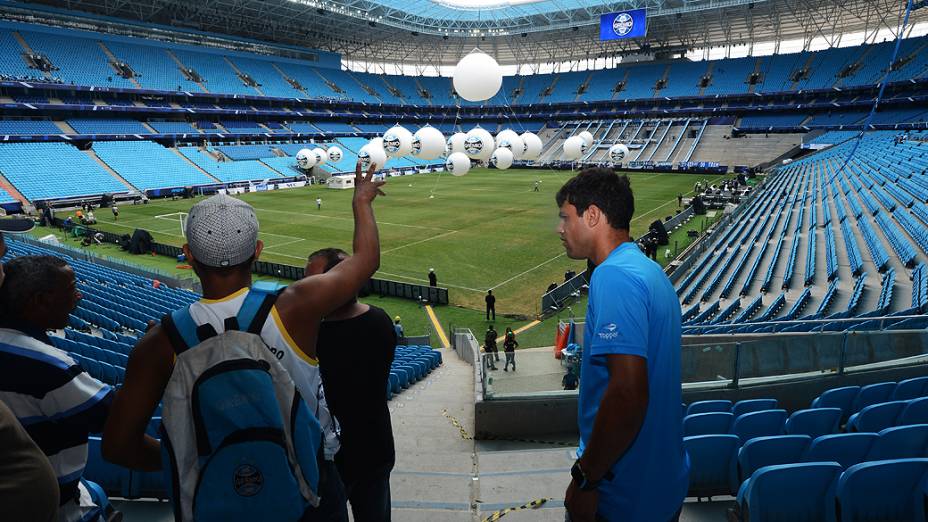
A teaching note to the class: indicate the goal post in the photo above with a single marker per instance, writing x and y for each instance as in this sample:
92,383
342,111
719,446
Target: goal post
180,217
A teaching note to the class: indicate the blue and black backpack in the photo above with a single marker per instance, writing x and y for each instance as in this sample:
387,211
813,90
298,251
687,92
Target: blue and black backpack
238,442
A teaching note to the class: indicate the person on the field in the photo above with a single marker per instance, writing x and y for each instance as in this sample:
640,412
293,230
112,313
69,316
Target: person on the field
631,463
115,212
398,328
433,279
489,346
318,203
491,304
509,348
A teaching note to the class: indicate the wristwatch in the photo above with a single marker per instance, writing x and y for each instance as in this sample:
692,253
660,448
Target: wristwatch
583,482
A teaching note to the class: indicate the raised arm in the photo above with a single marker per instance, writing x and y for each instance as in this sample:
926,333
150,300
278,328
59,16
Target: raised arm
306,301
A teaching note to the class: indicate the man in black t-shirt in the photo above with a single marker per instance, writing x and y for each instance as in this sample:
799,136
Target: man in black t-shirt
491,304
355,347
433,279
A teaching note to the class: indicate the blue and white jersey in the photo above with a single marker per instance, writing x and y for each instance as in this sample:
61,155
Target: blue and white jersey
59,405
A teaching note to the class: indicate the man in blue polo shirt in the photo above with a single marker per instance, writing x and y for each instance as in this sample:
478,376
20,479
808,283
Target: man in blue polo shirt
632,465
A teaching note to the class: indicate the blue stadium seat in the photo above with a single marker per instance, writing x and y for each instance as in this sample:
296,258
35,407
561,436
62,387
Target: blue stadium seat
709,407
901,442
707,423
876,417
758,424
883,490
846,449
814,422
838,398
872,394
769,451
792,492
750,405
713,464
915,412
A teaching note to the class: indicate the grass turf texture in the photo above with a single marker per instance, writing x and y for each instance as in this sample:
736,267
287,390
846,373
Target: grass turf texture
485,230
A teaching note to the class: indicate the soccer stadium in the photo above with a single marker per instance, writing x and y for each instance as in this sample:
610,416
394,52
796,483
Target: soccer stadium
777,152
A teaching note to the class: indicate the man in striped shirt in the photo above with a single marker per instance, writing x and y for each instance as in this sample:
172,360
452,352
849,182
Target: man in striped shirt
56,402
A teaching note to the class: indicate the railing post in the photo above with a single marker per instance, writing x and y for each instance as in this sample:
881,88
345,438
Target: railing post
843,355
736,367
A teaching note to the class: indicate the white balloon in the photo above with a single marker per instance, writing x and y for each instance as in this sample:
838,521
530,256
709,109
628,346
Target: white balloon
335,154
321,155
397,141
502,158
428,143
457,163
456,142
305,159
372,153
479,144
574,148
477,77
513,143
617,153
533,145
587,138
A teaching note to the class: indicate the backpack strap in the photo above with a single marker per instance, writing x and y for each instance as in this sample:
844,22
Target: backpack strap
255,310
181,330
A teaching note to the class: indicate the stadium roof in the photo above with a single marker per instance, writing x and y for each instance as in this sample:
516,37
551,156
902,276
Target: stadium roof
439,32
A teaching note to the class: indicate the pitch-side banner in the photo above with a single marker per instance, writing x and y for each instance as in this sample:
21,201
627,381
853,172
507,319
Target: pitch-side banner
625,24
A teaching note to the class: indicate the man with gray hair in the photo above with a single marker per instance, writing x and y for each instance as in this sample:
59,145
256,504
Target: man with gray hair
222,244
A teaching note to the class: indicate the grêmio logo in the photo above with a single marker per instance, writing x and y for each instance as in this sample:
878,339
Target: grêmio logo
623,24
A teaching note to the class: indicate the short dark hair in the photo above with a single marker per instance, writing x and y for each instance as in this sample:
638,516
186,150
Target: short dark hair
602,187
25,277
244,266
333,256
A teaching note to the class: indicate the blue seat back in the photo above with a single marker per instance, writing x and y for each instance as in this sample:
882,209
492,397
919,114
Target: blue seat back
846,449
814,422
759,424
876,417
883,490
769,451
910,389
752,405
708,407
901,442
793,493
915,412
872,394
707,424
713,464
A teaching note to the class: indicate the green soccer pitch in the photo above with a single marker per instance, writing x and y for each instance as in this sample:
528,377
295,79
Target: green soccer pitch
485,230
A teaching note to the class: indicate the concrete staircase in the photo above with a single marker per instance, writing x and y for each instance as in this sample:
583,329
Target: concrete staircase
181,65
109,170
749,149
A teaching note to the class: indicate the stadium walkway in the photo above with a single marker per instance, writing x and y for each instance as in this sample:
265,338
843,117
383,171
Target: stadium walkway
443,475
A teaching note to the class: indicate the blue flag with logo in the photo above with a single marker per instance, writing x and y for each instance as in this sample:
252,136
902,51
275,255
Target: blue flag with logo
624,24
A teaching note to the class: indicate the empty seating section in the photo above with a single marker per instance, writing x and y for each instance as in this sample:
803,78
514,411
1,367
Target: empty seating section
641,81
218,76
246,152
173,127
771,120
107,126
31,167
734,451
350,88
33,127
11,59
777,70
154,67
79,59
244,127
228,171
730,76
325,126
566,87
270,81
875,201
148,165
683,79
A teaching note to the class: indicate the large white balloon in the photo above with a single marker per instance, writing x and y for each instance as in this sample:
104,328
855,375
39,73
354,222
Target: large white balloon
456,142
457,163
378,142
587,138
305,159
502,158
335,154
574,148
533,145
428,143
512,142
397,141
477,77
479,144
372,153
617,153
321,155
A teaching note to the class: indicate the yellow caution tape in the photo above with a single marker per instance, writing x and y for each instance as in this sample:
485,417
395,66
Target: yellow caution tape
535,504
